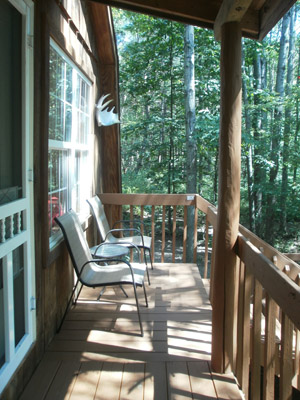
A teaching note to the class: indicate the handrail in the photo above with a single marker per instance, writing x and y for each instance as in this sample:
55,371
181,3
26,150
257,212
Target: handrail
279,286
268,294
162,200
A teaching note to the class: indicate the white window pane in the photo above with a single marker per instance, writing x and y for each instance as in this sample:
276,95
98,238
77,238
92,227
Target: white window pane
69,127
58,186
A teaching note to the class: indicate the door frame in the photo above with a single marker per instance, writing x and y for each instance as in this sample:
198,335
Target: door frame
22,209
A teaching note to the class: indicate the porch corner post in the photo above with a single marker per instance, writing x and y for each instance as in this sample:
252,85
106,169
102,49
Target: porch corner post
224,299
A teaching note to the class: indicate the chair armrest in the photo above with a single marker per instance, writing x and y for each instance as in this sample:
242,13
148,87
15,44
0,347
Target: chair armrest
118,244
124,230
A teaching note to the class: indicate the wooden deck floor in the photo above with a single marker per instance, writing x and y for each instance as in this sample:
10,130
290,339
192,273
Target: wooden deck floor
99,353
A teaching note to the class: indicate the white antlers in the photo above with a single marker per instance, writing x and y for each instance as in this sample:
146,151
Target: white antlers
103,116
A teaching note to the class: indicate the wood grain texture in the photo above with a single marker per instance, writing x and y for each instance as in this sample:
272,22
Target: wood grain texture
225,277
100,354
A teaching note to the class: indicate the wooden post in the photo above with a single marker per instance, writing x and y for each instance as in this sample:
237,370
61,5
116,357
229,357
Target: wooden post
224,298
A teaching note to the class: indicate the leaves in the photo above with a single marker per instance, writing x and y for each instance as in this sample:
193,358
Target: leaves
153,118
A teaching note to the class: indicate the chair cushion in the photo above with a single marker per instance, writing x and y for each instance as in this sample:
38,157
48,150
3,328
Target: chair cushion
137,240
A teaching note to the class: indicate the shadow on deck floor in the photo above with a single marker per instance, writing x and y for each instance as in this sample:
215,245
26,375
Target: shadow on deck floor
99,353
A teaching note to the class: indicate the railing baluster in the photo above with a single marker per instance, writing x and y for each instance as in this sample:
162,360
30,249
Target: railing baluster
297,345
270,343
174,234
109,214
142,230
142,219
243,334
195,235
19,222
256,341
2,230
131,226
153,232
184,234
11,226
131,215
163,235
286,356
206,248
269,351
212,272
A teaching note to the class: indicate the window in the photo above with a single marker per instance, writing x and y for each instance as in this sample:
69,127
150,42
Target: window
69,167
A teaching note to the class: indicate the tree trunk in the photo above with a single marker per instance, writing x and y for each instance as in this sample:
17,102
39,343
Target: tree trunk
249,153
191,141
276,133
296,153
258,150
287,124
171,131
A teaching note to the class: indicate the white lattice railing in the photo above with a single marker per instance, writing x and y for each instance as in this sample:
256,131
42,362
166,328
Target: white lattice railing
12,225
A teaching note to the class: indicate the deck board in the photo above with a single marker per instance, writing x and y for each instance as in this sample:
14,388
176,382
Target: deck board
99,353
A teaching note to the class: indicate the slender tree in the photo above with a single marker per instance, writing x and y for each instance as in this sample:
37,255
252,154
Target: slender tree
287,122
190,121
248,123
276,132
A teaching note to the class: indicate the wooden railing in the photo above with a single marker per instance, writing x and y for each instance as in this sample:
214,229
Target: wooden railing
162,211
268,300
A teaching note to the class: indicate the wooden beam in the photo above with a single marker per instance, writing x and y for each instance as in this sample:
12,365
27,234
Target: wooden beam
271,13
199,13
224,299
107,145
147,199
230,11
103,28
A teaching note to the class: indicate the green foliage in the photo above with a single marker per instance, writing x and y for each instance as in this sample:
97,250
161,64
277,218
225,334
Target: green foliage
153,119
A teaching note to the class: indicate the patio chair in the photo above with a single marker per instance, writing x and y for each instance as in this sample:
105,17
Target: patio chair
107,234
97,272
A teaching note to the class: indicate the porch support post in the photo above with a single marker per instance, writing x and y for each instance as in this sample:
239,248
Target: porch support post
224,299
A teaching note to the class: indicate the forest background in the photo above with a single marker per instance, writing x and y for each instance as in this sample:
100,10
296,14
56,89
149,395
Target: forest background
152,65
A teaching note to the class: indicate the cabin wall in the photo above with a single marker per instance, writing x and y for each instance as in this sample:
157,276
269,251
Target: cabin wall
54,273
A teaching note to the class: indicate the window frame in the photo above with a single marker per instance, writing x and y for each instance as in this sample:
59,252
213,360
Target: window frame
73,146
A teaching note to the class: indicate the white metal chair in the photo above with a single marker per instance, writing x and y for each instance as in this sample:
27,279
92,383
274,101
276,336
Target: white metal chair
107,234
93,272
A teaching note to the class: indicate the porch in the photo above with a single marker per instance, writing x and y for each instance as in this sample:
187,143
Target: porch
173,359
99,352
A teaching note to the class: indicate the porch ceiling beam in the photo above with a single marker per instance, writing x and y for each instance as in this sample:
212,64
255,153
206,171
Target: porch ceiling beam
230,11
200,13
271,13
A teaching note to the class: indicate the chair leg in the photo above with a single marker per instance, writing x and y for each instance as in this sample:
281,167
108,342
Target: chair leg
148,275
68,305
150,258
78,294
101,293
124,291
145,295
138,309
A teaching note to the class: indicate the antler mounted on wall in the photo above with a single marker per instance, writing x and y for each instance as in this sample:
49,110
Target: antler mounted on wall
103,116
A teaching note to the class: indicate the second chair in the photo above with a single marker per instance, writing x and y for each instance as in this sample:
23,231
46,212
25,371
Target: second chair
107,234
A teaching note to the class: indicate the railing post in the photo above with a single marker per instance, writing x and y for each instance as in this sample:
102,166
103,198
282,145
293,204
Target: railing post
206,248
225,261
